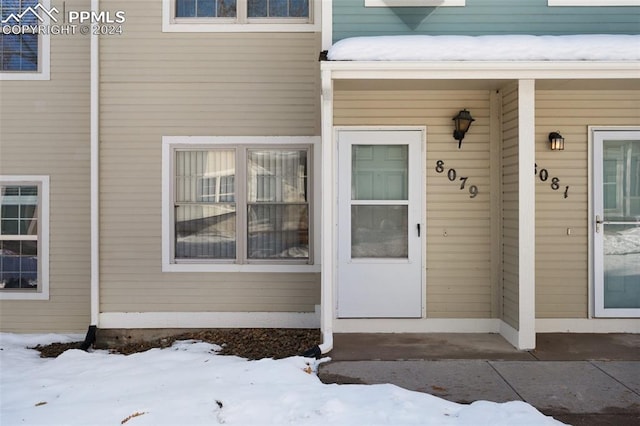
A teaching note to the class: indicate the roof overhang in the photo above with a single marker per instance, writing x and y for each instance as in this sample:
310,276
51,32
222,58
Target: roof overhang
487,70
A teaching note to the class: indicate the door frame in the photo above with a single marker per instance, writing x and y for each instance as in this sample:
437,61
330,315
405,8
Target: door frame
595,291
423,208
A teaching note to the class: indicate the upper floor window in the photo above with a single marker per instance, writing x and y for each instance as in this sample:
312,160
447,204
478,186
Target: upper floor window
24,223
23,50
241,15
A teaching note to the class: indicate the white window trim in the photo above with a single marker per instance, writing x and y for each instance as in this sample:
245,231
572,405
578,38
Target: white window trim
593,2
43,240
170,143
240,25
44,56
414,3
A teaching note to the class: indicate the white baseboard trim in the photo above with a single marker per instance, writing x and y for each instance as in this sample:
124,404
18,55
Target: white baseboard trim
209,320
585,325
510,334
426,325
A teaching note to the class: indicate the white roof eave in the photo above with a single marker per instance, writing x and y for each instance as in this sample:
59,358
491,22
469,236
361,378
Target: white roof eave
485,70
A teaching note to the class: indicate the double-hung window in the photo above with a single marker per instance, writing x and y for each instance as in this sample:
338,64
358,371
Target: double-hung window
24,48
23,237
242,204
241,15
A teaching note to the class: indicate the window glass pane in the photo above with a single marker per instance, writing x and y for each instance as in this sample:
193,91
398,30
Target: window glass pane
205,8
379,231
257,8
278,231
278,216
621,180
199,175
278,8
206,231
379,172
18,52
18,210
15,7
226,8
18,264
185,8
299,8
205,215
277,176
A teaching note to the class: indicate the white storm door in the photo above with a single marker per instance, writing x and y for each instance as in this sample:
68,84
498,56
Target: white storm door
617,223
380,224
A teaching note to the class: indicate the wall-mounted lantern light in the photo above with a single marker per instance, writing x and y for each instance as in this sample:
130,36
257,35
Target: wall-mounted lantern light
462,122
556,141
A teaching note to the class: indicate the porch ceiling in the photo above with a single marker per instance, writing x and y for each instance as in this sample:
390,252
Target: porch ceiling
483,84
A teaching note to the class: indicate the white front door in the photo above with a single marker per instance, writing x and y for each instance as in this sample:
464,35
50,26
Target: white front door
380,223
617,223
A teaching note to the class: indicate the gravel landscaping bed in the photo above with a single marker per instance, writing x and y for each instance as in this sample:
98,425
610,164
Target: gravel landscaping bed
251,343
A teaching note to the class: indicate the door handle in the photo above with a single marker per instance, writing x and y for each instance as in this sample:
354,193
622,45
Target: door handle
598,223
418,230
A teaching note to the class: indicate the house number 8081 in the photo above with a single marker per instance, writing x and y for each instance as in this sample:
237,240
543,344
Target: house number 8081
452,175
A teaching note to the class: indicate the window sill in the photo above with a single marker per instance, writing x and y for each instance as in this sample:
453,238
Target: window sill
24,75
249,268
24,295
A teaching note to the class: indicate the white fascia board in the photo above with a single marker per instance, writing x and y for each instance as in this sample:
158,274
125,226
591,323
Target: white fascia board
327,24
485,70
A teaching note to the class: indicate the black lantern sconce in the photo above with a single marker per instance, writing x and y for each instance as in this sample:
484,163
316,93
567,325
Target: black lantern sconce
556,141
462,122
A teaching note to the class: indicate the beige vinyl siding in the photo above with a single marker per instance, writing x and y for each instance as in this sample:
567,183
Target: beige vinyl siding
510,291
561,259
156,84
458,240
44,130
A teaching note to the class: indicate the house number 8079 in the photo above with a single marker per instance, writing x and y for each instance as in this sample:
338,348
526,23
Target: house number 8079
453,175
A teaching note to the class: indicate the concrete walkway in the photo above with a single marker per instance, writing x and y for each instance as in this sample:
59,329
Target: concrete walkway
580,379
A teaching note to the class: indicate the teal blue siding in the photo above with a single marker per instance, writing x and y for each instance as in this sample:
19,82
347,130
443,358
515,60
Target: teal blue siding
482,17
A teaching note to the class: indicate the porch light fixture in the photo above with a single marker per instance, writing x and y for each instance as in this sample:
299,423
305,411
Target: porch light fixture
462,122
556,141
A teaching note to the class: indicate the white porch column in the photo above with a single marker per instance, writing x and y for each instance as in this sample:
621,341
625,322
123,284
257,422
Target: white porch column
328,227
526,214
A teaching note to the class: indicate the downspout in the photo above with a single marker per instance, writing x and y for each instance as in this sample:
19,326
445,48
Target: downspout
95,212
327,216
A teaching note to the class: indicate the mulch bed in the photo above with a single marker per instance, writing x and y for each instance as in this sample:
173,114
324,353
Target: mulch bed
251,343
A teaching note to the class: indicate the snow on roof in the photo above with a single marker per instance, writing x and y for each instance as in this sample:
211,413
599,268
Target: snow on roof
599,47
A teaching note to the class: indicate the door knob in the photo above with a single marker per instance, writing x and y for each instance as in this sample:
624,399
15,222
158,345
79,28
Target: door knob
598,223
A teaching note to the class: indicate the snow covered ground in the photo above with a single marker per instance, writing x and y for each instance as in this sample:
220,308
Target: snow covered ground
188,384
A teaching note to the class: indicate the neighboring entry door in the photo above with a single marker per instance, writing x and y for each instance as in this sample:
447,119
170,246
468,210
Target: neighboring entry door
379,223
617,223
